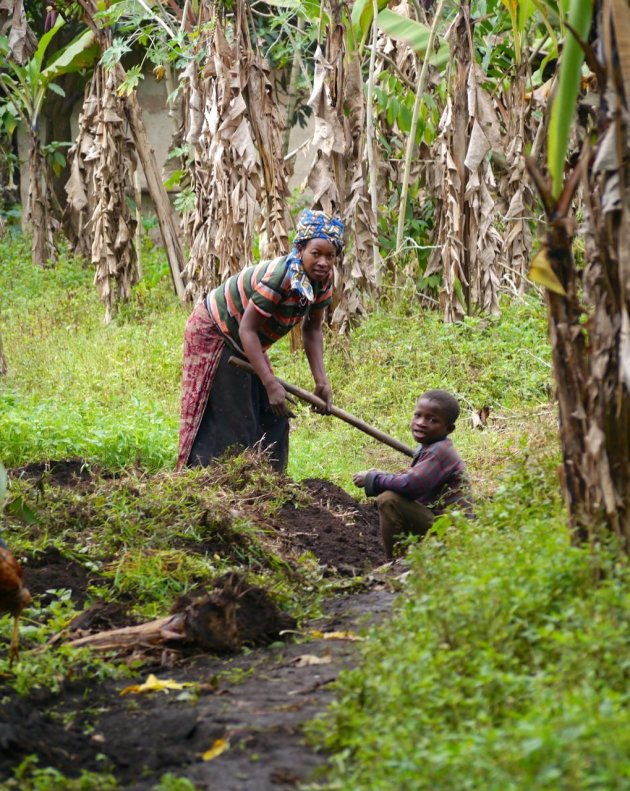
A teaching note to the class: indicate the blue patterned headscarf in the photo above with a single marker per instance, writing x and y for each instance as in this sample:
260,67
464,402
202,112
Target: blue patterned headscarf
312,225
319,225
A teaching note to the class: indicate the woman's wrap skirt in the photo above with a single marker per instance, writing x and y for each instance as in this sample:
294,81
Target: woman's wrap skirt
223,407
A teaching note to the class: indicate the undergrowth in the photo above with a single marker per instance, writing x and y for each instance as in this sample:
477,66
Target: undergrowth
29,776
505,665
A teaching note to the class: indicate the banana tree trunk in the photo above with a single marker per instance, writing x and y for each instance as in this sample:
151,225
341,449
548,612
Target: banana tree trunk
338,176
161,202
591,362
39,215
589,309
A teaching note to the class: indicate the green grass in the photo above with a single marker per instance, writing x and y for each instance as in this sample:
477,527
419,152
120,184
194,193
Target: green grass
110,394
77,387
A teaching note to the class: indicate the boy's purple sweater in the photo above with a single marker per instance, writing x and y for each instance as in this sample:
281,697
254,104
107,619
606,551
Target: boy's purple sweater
436,478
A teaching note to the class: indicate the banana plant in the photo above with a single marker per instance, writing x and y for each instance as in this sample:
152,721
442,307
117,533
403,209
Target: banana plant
398,27
565,101
25,87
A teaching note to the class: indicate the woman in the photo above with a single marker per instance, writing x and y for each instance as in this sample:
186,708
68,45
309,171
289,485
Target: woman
223,406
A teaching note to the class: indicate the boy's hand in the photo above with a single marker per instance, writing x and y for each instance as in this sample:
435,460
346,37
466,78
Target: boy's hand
359,478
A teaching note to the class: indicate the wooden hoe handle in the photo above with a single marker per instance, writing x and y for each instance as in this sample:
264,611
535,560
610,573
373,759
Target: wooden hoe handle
340,413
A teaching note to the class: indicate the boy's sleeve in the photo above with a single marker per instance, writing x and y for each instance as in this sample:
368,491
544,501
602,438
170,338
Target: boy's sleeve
369,482
422,479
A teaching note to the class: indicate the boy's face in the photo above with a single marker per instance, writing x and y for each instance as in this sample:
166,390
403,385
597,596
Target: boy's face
428,424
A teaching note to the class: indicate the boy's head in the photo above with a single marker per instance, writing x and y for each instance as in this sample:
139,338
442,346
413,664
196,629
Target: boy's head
434,416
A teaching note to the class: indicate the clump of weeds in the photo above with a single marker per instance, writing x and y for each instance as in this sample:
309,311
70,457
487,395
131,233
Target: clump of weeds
145,541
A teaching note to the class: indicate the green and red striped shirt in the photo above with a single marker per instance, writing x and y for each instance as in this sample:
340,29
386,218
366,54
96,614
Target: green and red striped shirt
268,286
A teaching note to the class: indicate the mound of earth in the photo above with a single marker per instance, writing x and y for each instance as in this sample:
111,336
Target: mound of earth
339,531
67,473
342,533
50,571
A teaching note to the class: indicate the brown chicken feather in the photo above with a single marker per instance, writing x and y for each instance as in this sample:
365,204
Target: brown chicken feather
14,597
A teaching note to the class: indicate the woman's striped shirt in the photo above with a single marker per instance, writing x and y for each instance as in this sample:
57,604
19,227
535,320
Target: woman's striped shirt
268,286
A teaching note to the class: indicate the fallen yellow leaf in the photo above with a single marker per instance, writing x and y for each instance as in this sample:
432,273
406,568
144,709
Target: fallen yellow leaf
311,659
218,746
153,684
541,272
336,635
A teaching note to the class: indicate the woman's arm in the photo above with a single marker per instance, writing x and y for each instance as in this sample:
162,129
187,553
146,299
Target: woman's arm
251,322
313,339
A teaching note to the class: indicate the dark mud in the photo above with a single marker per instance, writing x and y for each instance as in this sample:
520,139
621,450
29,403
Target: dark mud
70,473
341,532
256,701
51,571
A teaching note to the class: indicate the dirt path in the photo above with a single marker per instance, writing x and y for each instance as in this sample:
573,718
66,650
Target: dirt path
258,702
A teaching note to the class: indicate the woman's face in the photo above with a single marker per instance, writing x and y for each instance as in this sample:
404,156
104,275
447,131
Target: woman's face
318,257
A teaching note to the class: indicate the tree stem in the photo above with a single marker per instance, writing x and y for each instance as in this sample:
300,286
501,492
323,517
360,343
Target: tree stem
369,127
411,141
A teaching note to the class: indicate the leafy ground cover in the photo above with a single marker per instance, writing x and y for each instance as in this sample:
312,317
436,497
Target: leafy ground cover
503,666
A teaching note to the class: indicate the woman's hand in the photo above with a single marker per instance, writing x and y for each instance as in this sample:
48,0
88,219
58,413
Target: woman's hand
314,347
324,391
251,323
278,399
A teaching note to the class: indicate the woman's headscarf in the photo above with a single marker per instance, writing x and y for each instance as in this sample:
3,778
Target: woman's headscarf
319,225
312,224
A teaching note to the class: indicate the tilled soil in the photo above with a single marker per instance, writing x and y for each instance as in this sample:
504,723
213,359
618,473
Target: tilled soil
256,702
341,532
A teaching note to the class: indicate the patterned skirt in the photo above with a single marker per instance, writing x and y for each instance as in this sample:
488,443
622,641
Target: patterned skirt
223,408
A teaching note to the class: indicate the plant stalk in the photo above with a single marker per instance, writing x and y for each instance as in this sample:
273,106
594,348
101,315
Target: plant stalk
370,144
411,141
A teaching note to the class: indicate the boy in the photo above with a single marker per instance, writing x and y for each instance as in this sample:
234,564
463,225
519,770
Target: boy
408,502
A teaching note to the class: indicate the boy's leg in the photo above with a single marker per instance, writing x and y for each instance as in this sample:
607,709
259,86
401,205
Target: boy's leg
398,515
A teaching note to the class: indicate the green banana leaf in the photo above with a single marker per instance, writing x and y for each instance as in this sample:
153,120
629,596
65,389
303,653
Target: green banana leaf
414,33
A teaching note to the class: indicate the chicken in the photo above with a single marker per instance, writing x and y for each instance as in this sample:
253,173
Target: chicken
14,597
